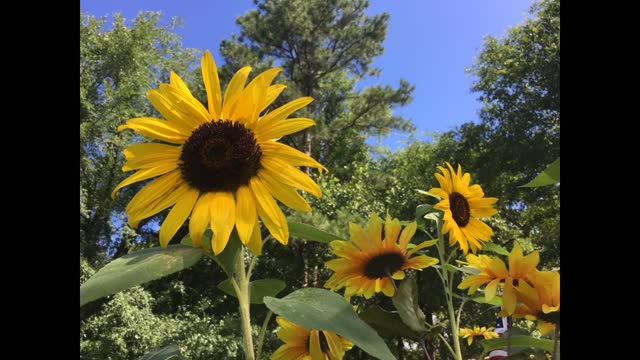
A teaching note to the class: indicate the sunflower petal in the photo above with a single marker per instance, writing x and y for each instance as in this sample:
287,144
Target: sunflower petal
282,112
282,128
234,89
269,211
284,193
287,174
212,85
272,149
177,216
255,242
176,82
406,235
200,218
246,214
248,107
272,93
143,175
223,218
156,129
314,346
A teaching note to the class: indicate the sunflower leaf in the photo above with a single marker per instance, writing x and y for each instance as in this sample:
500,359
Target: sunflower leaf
321,309
549,176
137,268
309,232
406,302
493,247
169,352
257,288
428,194
387,324
517,341
226,259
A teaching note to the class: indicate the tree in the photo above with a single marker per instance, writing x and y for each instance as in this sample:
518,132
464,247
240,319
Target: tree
518,79
324,48
117,67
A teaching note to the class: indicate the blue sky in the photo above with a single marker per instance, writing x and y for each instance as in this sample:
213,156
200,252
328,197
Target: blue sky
429,44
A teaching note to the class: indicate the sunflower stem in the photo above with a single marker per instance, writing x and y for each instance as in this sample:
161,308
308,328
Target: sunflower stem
386,270
262,332
424,349
447,283
555,343
509,327
241,286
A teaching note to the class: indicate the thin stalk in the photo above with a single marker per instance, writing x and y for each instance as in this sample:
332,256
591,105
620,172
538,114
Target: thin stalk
509,326
453,353
242,292
262,332
424,349
447,282
386,270
555,343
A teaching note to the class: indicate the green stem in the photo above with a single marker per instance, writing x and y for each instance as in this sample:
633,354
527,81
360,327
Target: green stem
241,286
555,343
453,353
447,282
262,332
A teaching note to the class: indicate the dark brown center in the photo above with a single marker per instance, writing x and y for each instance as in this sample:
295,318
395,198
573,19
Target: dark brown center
459,208
381,265
220,156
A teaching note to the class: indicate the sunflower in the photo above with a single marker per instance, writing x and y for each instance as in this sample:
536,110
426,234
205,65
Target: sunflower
462,205
305,344
367,262
487,333
222,164
540,300
494,272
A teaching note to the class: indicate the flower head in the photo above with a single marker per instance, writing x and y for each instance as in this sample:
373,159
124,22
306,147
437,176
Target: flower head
462,205
539,299
366,264
487,333
301,343
219,165
494,272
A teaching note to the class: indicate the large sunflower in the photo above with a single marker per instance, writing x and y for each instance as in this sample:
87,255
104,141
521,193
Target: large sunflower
305,344
366,263
484,332
462,205
221,164
494,272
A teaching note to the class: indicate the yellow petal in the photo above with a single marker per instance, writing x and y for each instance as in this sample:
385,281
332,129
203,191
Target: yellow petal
508,297
359,237
246,215
177,216
269,212
223,218
157,129
272,93
287,174
490,290
148,155
158,204
420,246
212,85
200,218
234,89
391,229
334,344
196,112
272,149
170,112
282,112
153,190
284,193
144,174
282,128
176,82
255,242
248,107
314,346
406,235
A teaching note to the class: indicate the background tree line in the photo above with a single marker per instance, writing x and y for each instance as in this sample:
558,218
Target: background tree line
325,48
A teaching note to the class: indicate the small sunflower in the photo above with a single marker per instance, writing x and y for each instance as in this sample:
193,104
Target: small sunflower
305,344
365,262
494,272
462,205
487,333
540,300
222,164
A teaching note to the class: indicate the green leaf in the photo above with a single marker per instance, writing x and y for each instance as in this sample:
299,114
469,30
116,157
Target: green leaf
517,341
321,309
493,247
481,299
169,352
258,289
387,324
309,232
137,268
549,176
422,210
226,259
406,302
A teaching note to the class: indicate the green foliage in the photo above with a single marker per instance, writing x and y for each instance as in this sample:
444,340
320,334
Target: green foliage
257,288
137,268
321,309
387,323
550,176
406,302
169,352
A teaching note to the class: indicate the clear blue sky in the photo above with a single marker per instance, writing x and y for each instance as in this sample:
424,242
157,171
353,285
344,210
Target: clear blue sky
429,44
